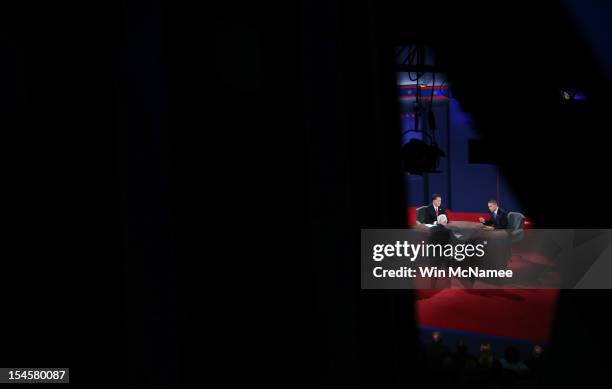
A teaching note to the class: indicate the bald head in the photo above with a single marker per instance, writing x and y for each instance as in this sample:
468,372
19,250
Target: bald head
442,219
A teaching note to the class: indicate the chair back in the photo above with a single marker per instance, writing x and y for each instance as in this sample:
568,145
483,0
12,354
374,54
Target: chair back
420,214
516,221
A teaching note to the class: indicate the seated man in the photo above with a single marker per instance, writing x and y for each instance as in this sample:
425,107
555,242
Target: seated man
439,233
434,210
498,219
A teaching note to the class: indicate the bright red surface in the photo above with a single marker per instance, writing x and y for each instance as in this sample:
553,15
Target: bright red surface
517,313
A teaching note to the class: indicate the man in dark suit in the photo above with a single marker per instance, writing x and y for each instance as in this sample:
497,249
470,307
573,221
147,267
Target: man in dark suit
498,218
434,210
441,235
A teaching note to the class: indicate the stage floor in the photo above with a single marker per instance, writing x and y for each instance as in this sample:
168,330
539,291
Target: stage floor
524,314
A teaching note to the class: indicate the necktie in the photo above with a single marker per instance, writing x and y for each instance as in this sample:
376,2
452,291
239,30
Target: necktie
437,212
494,216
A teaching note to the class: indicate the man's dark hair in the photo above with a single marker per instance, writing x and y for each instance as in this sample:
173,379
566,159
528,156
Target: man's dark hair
513,355
435,196
461,347
492,201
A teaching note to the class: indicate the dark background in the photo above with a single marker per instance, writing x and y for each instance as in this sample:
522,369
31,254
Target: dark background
185,187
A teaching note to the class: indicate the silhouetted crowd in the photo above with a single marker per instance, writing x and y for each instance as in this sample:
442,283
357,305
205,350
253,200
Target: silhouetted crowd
459,368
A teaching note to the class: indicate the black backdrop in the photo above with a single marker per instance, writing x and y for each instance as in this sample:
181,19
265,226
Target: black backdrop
186,186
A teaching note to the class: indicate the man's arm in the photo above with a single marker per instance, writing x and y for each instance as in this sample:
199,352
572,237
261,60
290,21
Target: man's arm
503,222
488,222
427,218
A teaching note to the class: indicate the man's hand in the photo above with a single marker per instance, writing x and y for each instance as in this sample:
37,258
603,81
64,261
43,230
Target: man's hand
488,228
481,219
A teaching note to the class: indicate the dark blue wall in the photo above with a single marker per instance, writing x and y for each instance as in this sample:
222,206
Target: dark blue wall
464,187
